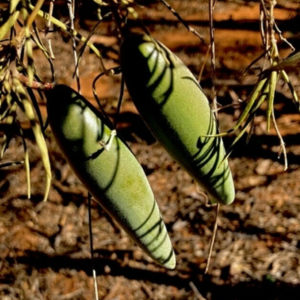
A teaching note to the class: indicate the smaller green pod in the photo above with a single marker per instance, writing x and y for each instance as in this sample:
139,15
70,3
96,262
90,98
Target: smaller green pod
113,176
172,104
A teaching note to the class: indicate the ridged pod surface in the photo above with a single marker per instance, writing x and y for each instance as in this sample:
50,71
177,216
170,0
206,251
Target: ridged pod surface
177,112
114,177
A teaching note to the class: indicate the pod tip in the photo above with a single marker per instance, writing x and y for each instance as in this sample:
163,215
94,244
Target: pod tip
169,262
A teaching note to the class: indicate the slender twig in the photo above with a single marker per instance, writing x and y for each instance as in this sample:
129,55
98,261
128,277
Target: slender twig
185,24
263,8
203,65
282,144
34,13
49,27
196,291
67,29
92,246
255,61
262,31
213,55
250,132
293,92
212,240
283,38
265,24
70,5
120,101
72,295
35,84
11,163
110,72
271,24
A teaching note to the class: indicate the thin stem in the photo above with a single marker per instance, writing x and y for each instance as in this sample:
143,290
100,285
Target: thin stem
92,246
34,13
71,16
212,241
67,29
120,101
213,55
185,24
282,144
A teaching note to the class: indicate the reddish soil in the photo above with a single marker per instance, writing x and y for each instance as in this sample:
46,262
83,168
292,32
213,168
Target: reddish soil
45,250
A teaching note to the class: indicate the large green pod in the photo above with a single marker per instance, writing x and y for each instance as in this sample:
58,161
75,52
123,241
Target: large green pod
113,176
177,112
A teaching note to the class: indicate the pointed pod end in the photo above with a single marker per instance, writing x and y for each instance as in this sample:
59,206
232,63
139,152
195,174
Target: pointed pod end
170,262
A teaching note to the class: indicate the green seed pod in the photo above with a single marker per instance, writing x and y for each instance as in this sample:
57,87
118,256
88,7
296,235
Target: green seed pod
177,112
113,176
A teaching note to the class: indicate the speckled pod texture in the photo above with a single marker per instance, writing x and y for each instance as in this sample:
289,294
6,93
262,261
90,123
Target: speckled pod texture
177,112
114,178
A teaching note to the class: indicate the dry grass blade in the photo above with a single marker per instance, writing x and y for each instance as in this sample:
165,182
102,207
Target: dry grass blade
288,82
9,121
282,144
271,95
37,131
86,43
250,116
196,291
92,245
26,164
38,41
289,64
30,68
265,89
13,5
213,238
67,29
12,19
34,13
27,169
255,61
5,107
36,106
258,90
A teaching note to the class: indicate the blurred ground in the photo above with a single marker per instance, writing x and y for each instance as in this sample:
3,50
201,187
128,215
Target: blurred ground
44,246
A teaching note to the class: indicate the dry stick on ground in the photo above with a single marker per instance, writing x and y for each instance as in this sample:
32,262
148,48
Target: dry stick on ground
72,295
196,291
